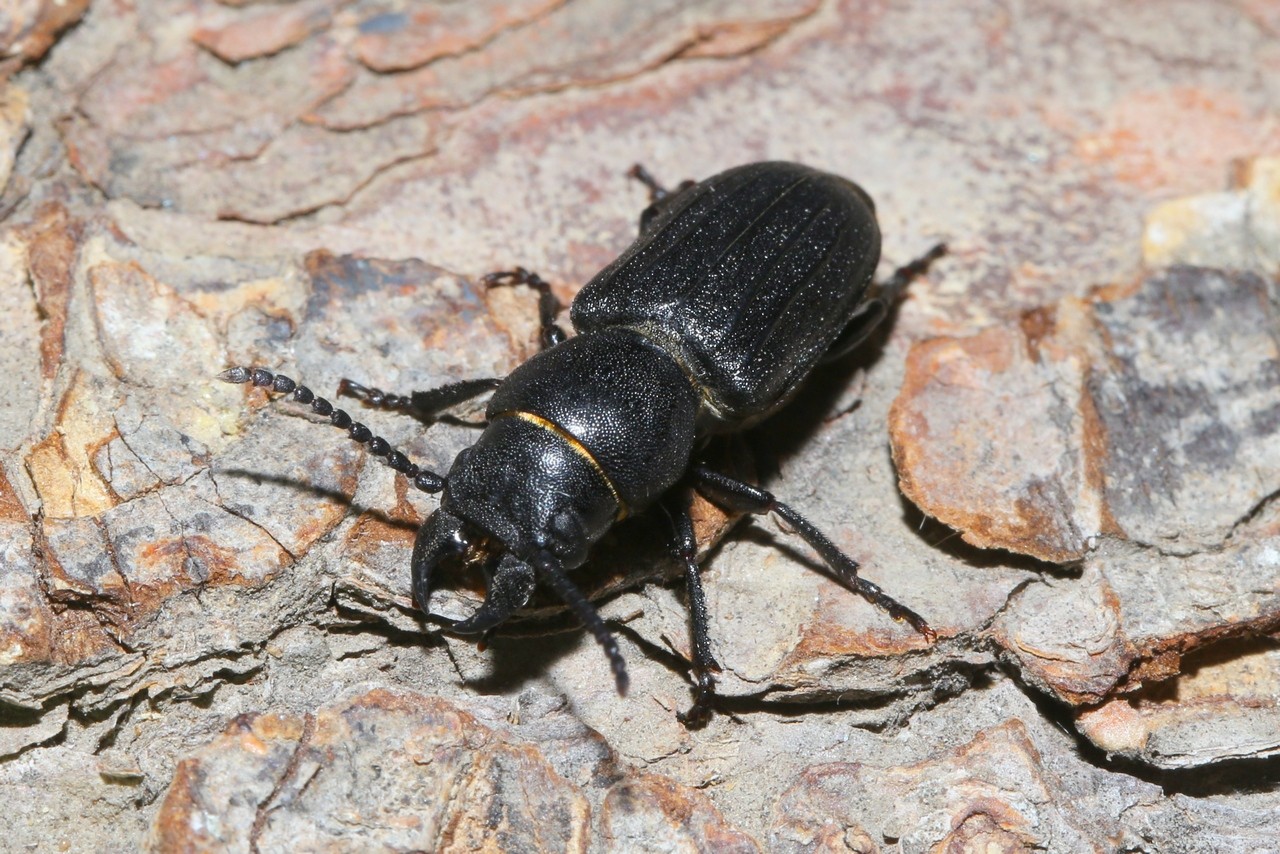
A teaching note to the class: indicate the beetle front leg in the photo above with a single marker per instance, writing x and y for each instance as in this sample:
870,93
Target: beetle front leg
426,406
548,305
685,547
752,499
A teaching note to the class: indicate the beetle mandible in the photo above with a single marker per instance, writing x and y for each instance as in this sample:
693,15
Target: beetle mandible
736,287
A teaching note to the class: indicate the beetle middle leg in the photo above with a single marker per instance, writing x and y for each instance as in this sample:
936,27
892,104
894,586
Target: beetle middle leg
548,305
752,499
430,405
660,198
685,546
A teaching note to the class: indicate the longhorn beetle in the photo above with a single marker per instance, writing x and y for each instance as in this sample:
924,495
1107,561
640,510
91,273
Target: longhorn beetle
735,289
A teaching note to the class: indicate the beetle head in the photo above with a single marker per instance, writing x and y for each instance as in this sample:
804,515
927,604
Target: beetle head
530,491
517,493
522,505
445,541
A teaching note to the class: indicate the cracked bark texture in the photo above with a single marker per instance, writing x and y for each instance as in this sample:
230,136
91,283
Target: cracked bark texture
206,634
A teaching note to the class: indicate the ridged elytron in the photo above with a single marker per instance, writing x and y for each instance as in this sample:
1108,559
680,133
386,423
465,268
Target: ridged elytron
735,289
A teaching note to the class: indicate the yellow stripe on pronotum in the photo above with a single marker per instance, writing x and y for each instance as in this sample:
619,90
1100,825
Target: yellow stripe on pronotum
572,442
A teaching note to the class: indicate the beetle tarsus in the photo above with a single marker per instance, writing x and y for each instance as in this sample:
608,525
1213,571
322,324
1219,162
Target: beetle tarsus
422,479
752,499
372,397
875,309
657,192
660,198
914,269
550,332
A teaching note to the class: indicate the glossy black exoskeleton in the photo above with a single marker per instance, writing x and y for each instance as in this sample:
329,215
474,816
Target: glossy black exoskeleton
735,289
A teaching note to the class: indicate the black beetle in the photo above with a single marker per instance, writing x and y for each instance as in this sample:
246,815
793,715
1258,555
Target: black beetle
735,289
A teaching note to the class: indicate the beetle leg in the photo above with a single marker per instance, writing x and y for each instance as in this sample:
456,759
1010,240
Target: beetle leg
657,192
659,196
859,328
427,406
685,546
548,305
427,481
891,291
873,312
752,499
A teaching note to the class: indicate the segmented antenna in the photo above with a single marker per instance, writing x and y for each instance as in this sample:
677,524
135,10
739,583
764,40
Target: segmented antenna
427,481
549,568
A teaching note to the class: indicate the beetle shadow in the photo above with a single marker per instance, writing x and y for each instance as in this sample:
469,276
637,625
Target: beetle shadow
943,538
789,546
512,661
335,495
815,403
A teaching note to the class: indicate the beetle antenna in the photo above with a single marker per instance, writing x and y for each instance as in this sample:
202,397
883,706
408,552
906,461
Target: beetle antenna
426,481
549,568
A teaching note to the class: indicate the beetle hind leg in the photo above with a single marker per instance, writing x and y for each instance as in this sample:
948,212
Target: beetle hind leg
873,312
752,499
891,291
